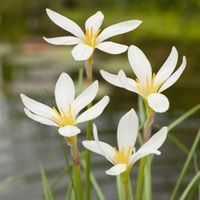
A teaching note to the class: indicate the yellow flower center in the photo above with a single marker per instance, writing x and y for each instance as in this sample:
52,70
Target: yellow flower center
150,86
122,156
90,37
63,119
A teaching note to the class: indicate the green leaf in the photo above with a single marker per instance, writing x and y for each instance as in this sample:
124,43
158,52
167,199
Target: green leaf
193,183
46,188
183,117
185,166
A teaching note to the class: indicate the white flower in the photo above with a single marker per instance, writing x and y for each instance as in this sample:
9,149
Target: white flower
93,36
148,85
67,114
126,155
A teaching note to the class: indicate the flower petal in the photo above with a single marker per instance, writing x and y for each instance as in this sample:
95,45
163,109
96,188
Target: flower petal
158,102
82,52
93,146
64,91
174,77
99,147
118,29
116,169
39,119
65,40
94,111
111,78
69,131
112,47
65,23
140,64
142,153
157,140
127,130
127,83
36,107
167,68
151,146
94,22
85,97
120,80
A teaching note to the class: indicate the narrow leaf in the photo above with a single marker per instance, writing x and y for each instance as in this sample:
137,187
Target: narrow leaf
185,166
183,117
46,188
190,186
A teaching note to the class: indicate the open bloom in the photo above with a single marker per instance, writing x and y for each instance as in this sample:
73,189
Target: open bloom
148,85
93,36
126,155
66,115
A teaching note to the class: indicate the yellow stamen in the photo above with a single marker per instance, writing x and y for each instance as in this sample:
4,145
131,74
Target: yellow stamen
63,119
90,37
123,156
150,86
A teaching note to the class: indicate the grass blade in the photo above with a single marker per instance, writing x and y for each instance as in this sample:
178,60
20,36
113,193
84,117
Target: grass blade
185,166
183,117
46,188
190,186
178,143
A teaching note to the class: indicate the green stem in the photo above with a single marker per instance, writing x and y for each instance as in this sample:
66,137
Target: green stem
120,189
72,142
78,181
147,186
88,69
147,135
68,164
140,179
94,182
126,183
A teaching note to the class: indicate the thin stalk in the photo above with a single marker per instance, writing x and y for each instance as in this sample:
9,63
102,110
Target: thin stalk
185,166
78,181
95,184
72,142
147,135
196,167
178,143
147,186
190,186
183,117
120,189
140,179
88,69
126,183
63,146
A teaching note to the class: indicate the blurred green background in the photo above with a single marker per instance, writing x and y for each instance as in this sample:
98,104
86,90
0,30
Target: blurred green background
31,66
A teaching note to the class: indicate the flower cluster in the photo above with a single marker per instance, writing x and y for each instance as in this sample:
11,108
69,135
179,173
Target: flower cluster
68,112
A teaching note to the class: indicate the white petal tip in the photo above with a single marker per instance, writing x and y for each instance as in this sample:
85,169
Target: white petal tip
116,170
69,131
158,102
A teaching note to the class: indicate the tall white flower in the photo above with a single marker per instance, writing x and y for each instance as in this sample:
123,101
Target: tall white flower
126,155
67,114
148,85
93,36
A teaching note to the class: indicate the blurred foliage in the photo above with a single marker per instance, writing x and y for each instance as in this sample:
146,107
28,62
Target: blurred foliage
164,19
